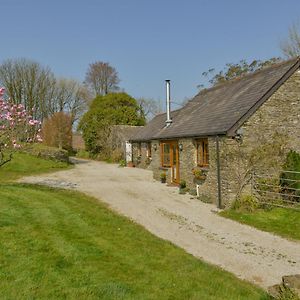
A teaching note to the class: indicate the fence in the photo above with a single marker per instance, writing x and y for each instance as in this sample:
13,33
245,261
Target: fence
282,190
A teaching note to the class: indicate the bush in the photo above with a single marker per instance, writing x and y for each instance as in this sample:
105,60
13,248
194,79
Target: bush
57,131
117,155
105,111
163,177
182,184
82,154
122,163
246,203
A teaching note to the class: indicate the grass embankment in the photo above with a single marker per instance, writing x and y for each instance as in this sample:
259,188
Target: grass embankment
61,244
281,221
57,244
25,164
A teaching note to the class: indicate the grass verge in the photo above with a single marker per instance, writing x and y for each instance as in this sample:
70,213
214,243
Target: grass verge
24,164
281,221
58,244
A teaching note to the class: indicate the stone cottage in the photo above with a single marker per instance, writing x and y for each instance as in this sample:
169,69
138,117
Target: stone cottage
214,141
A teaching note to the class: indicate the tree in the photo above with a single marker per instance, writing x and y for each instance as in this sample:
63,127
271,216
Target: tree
291,46
16,127
232,71
102,78
71,97
57,131
30,84
105,111
148,107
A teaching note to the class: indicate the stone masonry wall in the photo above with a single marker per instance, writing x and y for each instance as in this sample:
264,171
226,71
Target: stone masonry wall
187,161
277,119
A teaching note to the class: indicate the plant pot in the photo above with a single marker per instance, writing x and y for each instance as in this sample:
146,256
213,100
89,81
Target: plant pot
199,179
130,164
163,180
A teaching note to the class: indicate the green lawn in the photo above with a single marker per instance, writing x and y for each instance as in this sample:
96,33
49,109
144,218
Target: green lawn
24,164
281,221
57,244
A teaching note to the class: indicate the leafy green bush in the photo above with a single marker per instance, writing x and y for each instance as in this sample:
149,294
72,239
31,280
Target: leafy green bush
163,177
105,111
83,154
182,184
245,203
122,163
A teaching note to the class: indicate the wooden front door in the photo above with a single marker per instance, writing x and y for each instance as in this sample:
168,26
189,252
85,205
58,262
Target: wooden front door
170,159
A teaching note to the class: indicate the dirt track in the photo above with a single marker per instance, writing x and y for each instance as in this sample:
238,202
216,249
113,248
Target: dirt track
250,254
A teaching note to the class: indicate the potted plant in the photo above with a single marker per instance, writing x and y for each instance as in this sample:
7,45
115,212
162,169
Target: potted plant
182,187
199,175
163,177
130,164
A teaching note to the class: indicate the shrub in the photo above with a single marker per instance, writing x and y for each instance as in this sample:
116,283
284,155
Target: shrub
105,111
57,131
163,176
117,155
82,154
182,184
122,163
246,203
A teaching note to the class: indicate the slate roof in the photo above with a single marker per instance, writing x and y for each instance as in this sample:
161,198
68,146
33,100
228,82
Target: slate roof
221,110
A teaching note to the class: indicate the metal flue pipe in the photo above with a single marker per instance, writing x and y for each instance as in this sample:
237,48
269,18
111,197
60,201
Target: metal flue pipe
168,103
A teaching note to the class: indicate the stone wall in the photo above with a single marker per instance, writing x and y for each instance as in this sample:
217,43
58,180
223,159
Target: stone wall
275,125
187,162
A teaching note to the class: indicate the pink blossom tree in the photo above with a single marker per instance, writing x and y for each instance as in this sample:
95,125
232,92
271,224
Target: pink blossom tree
16,128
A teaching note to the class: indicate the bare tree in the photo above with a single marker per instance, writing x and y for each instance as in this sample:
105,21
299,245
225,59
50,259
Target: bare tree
71,97
148,107
30,84
102,78
291,46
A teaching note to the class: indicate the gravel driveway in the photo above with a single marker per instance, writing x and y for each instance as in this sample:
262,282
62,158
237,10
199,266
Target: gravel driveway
250,254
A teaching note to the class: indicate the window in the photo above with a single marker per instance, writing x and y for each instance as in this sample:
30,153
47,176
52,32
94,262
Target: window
148,149
202,153
165,154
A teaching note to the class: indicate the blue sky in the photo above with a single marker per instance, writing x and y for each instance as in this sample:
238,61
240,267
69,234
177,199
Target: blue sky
146,41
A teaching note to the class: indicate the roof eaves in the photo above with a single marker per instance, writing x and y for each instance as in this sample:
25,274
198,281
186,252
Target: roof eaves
192,135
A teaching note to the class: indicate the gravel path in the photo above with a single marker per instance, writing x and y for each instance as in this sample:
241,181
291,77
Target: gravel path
256,256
